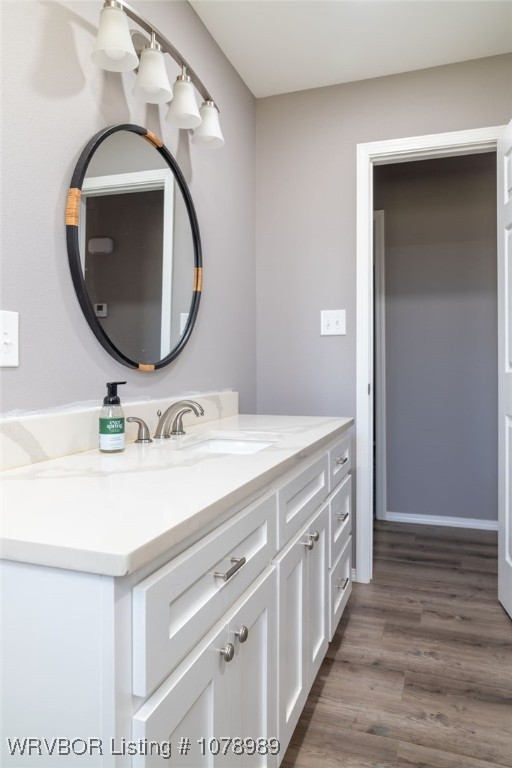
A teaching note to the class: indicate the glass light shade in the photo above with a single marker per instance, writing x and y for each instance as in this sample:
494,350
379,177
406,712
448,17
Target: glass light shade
114,49
209,134
152,84
183,110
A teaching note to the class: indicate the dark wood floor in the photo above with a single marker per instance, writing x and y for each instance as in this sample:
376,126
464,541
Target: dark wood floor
419,673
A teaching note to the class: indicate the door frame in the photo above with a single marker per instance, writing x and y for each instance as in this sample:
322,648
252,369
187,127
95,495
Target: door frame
402,150
141,181
380,484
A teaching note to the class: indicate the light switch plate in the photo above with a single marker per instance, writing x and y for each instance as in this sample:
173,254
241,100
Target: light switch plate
333,322
9,339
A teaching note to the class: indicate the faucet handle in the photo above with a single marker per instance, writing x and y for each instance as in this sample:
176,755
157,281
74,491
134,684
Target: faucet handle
143,433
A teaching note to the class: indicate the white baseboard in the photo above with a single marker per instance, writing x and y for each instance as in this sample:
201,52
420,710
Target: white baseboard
452,522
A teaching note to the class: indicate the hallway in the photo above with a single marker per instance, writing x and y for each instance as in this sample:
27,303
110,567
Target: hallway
419,673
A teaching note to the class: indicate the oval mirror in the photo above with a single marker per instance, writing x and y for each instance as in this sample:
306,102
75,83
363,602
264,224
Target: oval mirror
133,246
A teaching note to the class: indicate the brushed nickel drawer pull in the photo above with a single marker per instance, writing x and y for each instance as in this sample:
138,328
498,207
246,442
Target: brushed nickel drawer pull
228,652
242,634
341,461
344,584
342,518
311,538
238,562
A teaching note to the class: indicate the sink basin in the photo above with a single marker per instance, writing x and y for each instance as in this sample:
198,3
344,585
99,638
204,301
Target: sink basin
230,445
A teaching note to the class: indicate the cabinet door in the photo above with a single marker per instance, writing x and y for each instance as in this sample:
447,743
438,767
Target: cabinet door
252,675
193,705
292,606
318,593
303,572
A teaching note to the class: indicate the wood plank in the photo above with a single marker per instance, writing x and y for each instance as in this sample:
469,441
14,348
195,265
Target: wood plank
484,620
337,680
415,756
328,744
402,651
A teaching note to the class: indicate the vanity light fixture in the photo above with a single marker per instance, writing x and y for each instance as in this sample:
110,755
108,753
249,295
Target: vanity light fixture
183,110
208,133
152,84
115,52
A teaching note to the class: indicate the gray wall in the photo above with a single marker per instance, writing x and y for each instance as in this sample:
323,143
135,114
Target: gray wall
53,100
441,335
306,213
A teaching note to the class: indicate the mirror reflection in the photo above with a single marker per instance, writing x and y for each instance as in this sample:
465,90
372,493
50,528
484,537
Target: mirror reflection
137,248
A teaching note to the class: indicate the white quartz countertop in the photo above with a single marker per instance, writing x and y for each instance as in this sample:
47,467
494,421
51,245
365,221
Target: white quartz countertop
114,513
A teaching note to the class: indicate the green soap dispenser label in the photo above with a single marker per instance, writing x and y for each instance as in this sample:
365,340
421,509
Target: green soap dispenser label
112,434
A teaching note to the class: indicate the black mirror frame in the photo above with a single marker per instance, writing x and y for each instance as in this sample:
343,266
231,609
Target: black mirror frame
72,238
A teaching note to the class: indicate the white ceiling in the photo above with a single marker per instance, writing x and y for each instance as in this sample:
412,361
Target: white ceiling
278,46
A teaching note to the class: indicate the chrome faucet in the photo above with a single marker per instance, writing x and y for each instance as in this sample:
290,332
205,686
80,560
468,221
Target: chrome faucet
171,420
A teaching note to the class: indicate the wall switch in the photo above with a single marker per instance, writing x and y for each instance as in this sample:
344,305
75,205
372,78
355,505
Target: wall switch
9,339
333,322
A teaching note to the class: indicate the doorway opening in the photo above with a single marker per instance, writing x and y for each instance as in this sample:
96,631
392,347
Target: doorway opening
436,342
369,155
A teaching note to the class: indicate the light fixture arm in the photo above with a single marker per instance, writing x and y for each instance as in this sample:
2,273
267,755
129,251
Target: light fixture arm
167,47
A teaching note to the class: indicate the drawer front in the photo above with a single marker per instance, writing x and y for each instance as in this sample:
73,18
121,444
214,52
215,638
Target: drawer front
341,519
299,498
175,606
339,461
340,587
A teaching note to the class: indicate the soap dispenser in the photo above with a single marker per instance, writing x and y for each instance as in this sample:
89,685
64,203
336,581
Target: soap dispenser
111,433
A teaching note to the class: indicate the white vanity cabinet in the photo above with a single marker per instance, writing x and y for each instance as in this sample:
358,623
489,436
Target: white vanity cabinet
218,637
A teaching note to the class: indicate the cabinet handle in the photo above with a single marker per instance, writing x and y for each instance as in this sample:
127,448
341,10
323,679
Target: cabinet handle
242,634
227,652
238,562
341,461
343,585
310,541
342,518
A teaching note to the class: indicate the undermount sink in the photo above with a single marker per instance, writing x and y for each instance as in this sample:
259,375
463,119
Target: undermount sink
230,445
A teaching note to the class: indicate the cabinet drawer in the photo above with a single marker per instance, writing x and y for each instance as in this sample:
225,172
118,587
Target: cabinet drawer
299,497
341,519
339,461
175,606
340,587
